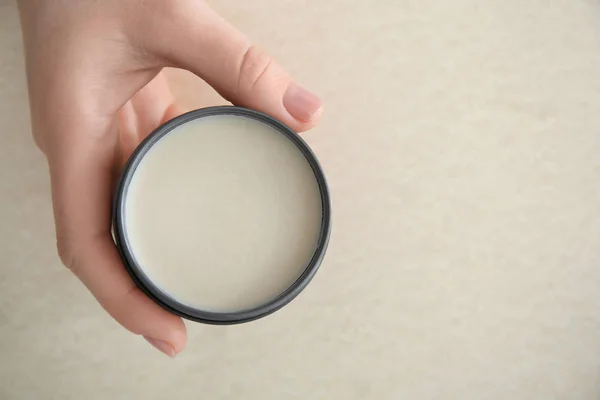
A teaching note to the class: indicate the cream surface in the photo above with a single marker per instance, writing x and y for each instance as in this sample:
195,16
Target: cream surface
223,213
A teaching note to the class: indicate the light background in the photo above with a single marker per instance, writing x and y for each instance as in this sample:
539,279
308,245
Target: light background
462,144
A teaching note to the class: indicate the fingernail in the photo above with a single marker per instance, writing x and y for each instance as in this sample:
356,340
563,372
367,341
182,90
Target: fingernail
162,346
302,104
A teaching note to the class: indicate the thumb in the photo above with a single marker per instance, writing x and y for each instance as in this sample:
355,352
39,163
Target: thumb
205,44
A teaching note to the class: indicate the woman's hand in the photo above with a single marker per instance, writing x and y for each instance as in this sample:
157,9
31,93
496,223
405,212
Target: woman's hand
96,89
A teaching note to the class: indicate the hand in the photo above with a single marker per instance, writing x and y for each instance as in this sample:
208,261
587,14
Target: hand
96,89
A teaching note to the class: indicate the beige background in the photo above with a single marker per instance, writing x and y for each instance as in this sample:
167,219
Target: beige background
462,143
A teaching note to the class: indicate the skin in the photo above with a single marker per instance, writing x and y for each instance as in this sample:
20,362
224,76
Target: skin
96,90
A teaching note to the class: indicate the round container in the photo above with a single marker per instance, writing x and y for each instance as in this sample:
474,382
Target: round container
169,301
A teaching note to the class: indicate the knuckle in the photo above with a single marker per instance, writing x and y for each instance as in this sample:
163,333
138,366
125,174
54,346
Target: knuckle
66,252
254,65
39,143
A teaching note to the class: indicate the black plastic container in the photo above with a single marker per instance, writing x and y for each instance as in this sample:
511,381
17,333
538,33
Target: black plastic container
165,300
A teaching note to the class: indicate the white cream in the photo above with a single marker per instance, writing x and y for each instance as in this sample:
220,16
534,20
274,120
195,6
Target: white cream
223,213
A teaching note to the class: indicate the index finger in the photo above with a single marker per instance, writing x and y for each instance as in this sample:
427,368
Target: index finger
82,160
